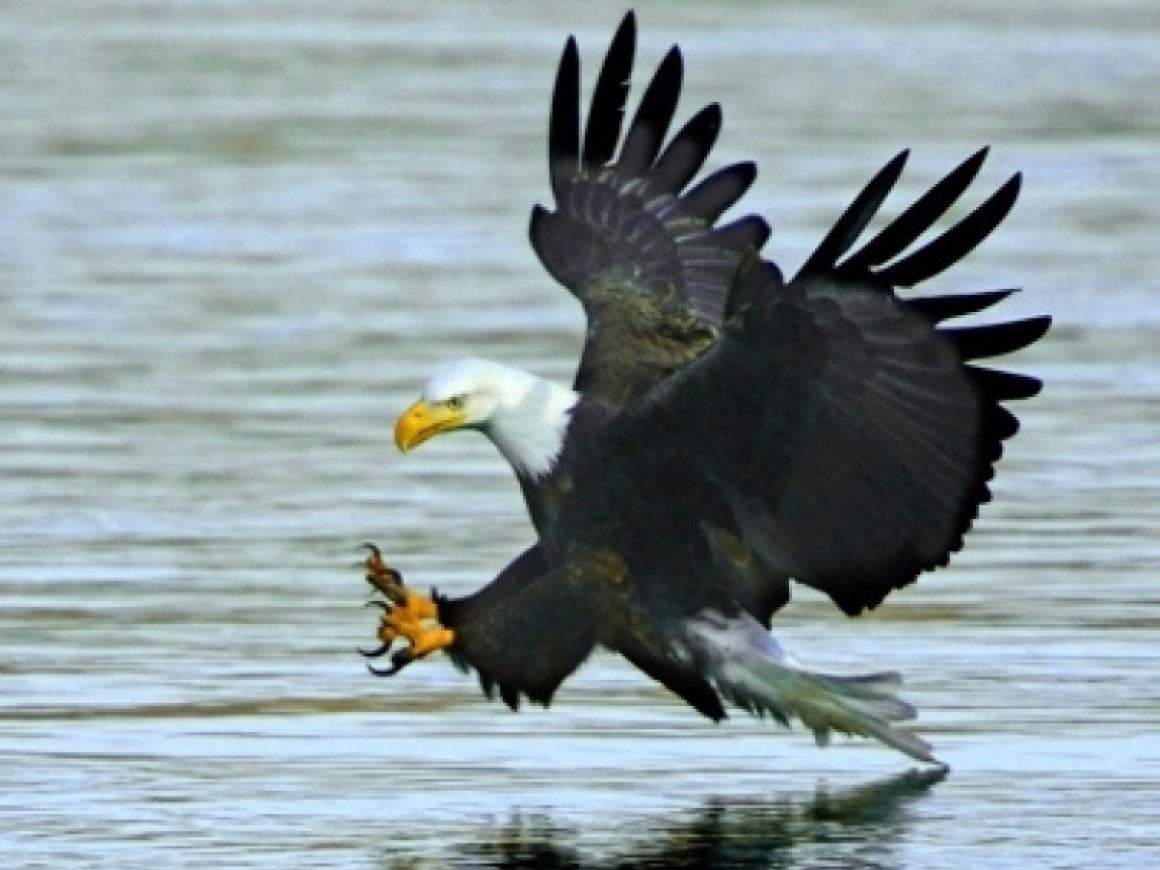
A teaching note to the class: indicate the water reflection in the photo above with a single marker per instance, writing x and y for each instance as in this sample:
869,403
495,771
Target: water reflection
860,827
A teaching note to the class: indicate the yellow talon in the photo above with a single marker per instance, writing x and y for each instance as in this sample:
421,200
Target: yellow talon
430,640
416,620
412,616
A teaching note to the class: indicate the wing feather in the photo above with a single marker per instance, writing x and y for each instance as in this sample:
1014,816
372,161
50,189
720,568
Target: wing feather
651,123
956,242
997,339
524,632
709,199
607,113
641,256
936,309
860,441
856,216
686,153
564,123
918,218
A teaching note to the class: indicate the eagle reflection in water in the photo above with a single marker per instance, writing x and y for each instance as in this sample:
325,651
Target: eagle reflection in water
857,826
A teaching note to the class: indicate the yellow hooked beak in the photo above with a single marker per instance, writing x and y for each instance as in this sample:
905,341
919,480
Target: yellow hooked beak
421,421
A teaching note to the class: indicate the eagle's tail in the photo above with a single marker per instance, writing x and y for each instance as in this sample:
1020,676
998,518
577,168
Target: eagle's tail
749,668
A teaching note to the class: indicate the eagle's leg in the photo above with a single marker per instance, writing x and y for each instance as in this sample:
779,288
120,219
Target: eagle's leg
406,614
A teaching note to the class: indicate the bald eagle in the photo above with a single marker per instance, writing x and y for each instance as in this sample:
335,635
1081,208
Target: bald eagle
728,431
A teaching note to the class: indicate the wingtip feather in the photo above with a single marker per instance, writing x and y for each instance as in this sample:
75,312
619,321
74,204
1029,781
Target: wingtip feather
564,119
606,111
850,224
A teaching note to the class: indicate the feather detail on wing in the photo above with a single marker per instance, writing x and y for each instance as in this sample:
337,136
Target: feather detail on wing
862,434
646,260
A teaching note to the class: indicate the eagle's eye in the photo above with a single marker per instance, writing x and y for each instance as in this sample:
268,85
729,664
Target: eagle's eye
455,403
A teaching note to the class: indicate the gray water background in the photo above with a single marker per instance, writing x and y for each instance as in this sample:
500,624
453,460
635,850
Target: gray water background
235,237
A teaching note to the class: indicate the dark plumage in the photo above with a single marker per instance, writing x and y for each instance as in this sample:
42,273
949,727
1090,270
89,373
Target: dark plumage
624,238
728,430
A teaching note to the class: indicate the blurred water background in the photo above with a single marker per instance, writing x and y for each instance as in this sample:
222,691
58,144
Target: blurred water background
235,237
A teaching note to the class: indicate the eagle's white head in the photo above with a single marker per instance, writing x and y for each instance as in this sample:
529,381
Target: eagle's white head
525,416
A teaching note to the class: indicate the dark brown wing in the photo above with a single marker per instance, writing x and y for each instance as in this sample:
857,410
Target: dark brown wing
524,632
859,437
535,624
640,252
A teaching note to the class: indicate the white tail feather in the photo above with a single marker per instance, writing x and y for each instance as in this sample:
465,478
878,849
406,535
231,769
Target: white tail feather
749,668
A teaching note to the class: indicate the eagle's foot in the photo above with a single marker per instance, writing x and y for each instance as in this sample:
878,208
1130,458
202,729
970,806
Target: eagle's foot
406,614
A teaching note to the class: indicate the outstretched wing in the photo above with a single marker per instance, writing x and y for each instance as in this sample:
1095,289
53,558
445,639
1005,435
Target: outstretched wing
861,436
640,252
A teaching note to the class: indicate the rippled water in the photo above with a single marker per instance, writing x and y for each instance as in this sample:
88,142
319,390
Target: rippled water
233,240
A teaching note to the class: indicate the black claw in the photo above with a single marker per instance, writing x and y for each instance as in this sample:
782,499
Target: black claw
374,602
399,661
378,554
374,653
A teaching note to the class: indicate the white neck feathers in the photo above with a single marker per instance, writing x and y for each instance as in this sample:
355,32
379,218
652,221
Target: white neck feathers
530,422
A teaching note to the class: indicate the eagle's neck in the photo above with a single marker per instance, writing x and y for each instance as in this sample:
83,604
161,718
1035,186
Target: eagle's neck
530,423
